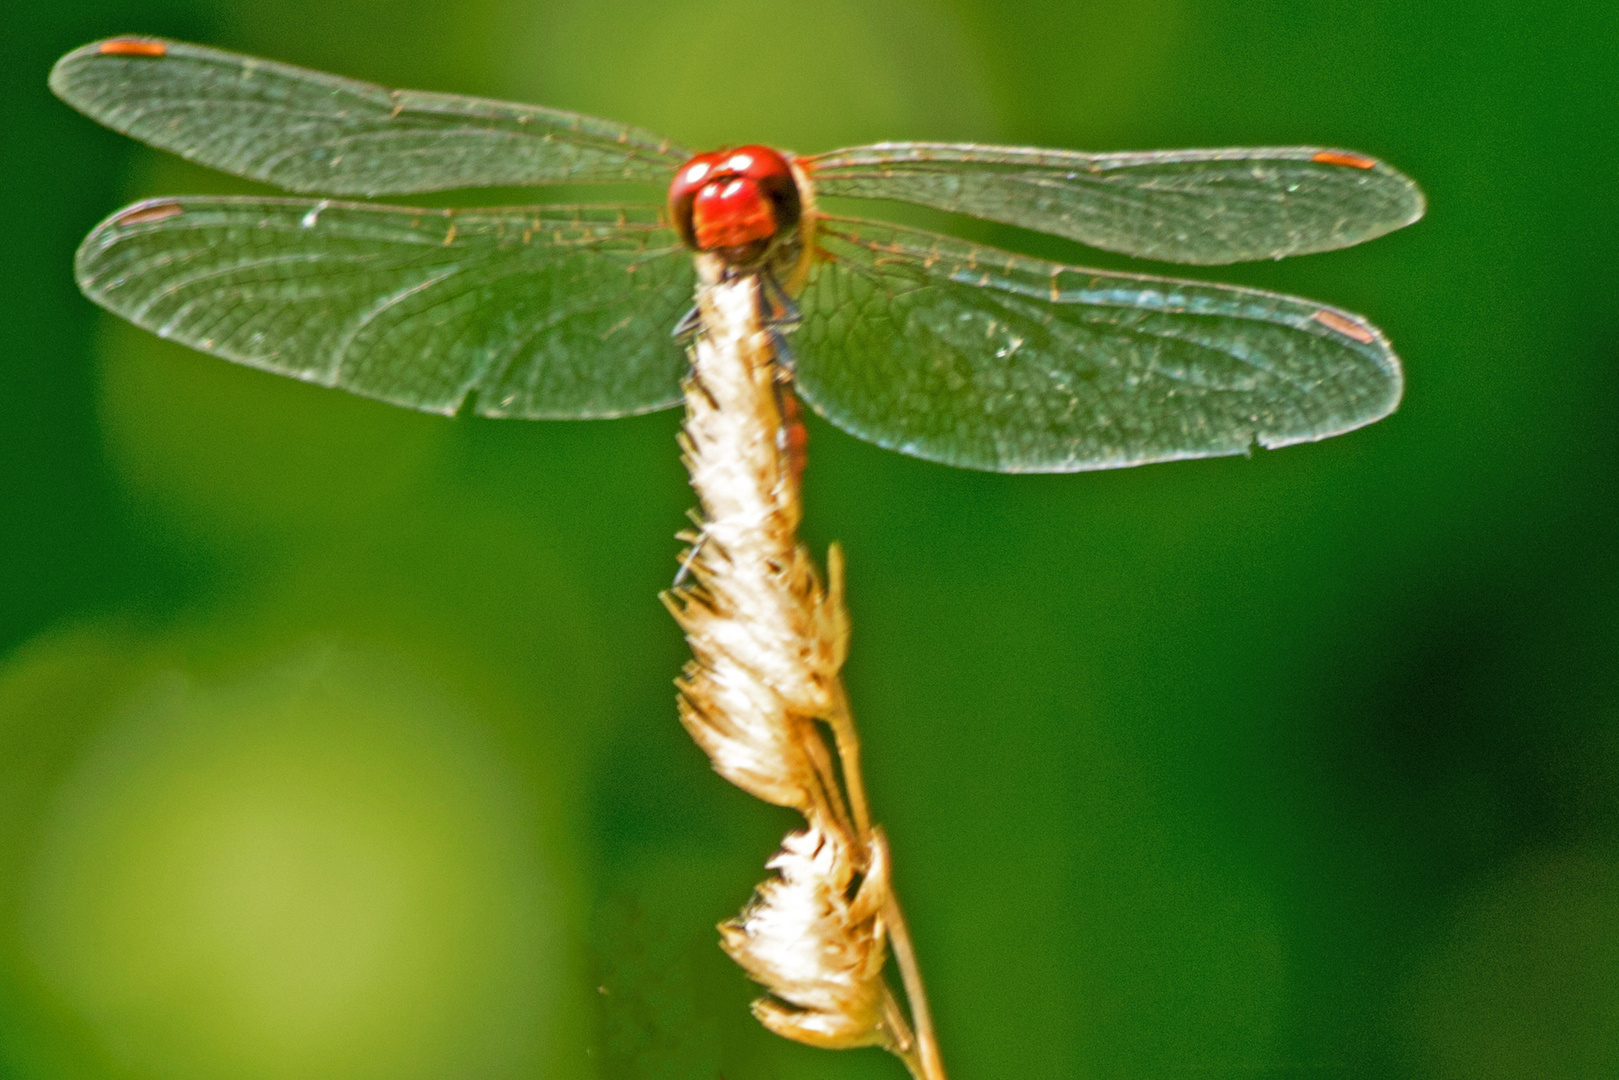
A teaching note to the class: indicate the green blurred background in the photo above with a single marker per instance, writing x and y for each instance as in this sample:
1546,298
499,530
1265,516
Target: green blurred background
337,741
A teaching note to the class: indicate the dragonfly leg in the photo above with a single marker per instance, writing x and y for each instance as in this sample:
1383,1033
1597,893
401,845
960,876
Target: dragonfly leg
688,325
784,352
780,316
775,306
777,312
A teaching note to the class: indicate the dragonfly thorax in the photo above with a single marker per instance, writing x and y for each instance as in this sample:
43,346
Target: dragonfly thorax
735,203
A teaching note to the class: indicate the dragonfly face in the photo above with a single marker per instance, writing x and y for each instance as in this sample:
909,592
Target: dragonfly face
917,341
736,203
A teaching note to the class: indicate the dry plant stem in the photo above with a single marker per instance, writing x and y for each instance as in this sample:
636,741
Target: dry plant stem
904,1046
768,641
911,975
827,771
848,743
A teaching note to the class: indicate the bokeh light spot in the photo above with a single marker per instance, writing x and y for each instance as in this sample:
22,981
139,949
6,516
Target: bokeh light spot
311,872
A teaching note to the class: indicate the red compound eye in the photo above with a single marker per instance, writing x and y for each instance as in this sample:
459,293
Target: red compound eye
731,213
734,200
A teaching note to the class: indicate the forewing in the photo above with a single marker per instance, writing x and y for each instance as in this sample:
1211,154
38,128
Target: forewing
543,312
974,357
309,131
1185,206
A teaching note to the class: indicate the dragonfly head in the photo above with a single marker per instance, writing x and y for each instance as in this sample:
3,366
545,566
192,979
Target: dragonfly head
735,203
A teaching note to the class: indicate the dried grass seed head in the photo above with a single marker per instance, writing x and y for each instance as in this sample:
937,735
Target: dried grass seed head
810,945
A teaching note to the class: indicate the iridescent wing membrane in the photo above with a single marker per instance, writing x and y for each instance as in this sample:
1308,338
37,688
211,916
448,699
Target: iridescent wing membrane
1181,206
543,312
1019,365
308,131
915,341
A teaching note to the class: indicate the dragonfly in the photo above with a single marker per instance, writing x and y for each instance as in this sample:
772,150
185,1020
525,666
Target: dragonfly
916,341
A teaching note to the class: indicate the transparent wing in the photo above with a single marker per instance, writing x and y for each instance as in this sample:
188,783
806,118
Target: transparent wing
543,312
312,132
974,357
1185,206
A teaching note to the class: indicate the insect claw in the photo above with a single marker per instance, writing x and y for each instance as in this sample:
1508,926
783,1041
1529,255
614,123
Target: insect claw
688,325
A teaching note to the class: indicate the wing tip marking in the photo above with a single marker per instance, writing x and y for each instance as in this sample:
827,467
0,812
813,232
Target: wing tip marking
147,213
1343,157
1348,327
133,46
